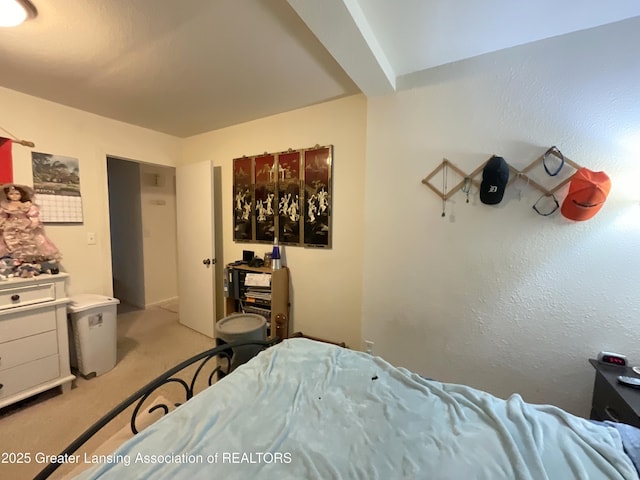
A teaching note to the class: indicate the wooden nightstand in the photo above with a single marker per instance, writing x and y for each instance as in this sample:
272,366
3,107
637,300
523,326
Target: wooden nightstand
612,400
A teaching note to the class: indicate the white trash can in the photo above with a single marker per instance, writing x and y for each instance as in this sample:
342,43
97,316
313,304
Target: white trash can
93,333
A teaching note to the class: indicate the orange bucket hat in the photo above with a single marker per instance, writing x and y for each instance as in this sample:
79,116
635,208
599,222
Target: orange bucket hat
587,193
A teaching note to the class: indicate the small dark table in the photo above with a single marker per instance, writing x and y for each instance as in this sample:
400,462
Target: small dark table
612,400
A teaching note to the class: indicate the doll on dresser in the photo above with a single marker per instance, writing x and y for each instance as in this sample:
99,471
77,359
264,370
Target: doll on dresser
22,235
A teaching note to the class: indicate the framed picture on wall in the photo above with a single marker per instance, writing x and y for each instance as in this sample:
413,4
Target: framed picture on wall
289,198
265,178
317,196
242,199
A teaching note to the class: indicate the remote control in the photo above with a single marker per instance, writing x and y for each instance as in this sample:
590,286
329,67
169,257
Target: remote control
630,381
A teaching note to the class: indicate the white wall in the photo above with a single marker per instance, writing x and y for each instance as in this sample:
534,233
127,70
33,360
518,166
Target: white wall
158,206
326,284
499,297
65,131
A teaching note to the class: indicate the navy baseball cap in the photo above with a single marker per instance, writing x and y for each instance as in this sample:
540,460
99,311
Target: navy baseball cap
495,177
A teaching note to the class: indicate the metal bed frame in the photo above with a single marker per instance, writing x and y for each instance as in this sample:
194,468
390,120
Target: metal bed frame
223,353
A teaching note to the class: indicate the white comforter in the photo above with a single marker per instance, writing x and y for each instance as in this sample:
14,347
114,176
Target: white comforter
304,410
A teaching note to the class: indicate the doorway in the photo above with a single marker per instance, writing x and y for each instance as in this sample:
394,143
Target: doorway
125,220
142,216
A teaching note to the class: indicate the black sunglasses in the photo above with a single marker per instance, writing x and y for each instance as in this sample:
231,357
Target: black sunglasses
555,200
556,153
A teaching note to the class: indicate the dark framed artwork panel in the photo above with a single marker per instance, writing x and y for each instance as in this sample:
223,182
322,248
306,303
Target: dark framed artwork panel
287,195
289,198
243,205
265,177
317,196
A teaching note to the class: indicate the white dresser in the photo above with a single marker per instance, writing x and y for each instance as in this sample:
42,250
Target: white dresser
34,343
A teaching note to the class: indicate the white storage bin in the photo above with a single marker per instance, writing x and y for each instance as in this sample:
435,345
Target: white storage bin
93,333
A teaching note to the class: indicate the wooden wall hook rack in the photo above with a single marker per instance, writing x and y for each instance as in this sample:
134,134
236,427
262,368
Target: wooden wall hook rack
443,166
539,161
514,175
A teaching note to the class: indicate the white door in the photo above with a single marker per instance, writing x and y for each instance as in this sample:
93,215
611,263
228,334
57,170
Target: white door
196,269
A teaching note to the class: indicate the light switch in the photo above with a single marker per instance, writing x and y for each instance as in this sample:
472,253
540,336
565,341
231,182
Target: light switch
91,238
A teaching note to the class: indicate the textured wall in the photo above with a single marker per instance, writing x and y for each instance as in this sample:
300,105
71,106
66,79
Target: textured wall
326,284
499,297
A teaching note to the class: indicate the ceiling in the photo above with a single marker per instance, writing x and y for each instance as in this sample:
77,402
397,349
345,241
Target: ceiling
185,67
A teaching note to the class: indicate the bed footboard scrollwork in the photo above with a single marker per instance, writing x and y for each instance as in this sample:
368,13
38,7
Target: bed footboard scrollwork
222,369
221,355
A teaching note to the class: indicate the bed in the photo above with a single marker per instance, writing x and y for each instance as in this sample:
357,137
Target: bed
303,409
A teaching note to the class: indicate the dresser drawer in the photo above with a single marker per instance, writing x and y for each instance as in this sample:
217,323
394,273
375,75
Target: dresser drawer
18,325
17,297
27,349
22,377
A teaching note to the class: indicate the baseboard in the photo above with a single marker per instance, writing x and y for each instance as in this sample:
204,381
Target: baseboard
162,303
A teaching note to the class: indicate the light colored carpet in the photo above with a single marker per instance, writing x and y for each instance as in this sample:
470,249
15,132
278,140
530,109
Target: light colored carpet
149,342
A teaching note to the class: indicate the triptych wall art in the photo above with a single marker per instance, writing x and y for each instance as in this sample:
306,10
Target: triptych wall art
285,195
